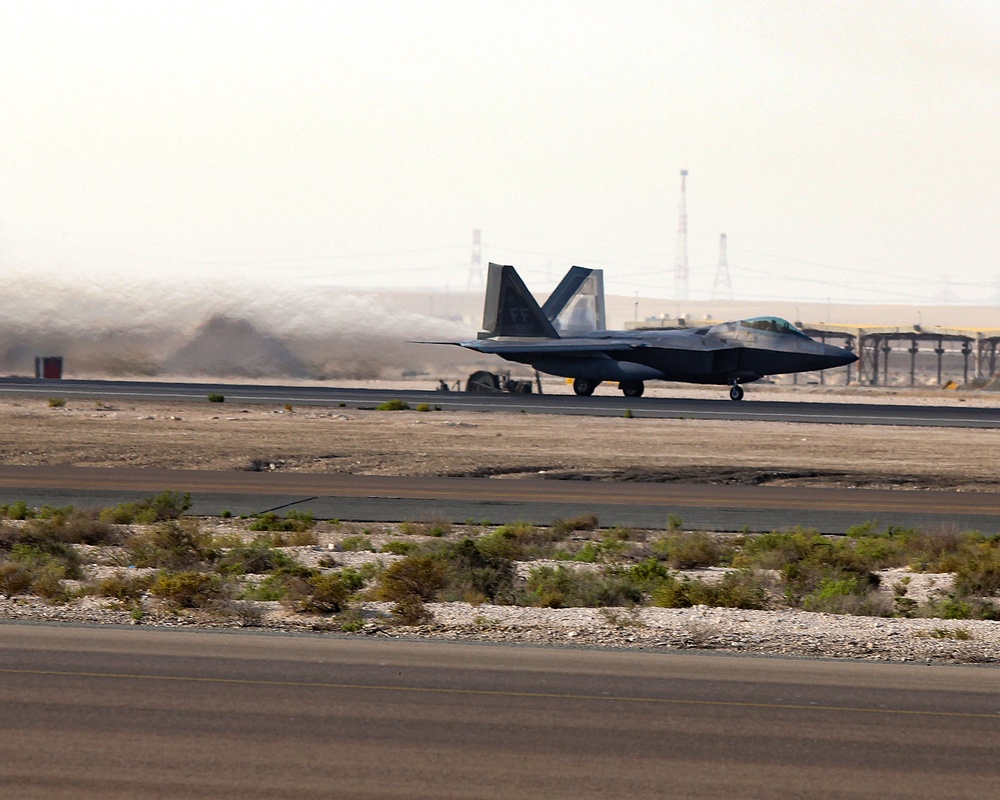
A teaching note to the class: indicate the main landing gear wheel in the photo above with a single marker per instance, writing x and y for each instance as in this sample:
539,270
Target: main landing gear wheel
736,392
631,388
584,386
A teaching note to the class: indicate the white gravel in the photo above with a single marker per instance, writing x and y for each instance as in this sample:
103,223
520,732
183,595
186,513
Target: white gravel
790,633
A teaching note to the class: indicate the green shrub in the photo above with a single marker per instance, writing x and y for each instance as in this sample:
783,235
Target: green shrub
437,528
409,584
247,613
410,610
779,548
504,542
35,546
816,585
351,620
162,507
616,587
353,579
648,574
956,606
76,527
424,407
421,576
256,557
978,569
474,575
15,578
47,582
562,528
38,557
325,594
959,634
17,510
935,552
692,550
866,528
612,546
305,589
171,545
588,554
216,398
123,586
562,587
294,521
354,544
57,402
741,589
519,541
286,584
393,405
399,548
188,589
841,592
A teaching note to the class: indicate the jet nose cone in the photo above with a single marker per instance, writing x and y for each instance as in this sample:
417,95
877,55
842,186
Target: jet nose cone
838,356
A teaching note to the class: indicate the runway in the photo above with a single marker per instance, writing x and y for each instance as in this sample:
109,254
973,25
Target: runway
387,499
179,714
753,408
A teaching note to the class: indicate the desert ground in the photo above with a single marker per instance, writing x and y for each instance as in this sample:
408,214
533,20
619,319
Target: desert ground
226,436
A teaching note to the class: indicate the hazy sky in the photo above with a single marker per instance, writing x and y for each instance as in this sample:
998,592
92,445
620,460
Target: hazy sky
848,149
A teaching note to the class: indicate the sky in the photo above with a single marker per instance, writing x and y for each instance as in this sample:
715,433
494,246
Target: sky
848,150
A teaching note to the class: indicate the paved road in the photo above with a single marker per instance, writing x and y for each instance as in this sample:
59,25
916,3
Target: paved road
378,498
182,714
667,408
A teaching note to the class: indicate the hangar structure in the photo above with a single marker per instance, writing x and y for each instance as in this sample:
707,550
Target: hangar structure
875,344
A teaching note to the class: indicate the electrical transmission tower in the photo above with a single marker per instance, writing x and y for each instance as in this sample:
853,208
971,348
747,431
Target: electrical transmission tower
722,287
476,263
681,261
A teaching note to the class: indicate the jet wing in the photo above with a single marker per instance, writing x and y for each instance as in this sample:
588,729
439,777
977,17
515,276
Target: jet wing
584,345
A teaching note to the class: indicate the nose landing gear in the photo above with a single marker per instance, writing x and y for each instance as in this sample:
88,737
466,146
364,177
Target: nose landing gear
735,391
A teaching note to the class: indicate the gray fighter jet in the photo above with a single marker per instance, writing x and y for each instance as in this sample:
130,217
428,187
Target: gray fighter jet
730,353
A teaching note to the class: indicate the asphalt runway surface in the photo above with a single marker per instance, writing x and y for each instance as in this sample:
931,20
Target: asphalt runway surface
117,712
753,408
482,500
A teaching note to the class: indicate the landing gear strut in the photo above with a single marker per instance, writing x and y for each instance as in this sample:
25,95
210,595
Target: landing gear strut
735,392
584,386
631,388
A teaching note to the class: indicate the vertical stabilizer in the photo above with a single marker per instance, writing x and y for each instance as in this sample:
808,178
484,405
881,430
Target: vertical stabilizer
576,305
510,308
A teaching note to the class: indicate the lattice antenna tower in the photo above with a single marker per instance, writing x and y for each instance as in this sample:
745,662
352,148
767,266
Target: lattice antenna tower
681,261
476,262
722,287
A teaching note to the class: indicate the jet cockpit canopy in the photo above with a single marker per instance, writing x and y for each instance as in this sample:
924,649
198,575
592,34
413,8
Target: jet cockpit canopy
772,324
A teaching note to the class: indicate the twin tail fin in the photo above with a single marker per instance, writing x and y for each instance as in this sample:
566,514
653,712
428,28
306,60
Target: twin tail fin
511,310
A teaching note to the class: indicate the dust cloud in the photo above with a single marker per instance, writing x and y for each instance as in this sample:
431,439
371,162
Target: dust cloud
250,328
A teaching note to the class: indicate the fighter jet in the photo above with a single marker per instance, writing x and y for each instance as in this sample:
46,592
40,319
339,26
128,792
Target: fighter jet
516,328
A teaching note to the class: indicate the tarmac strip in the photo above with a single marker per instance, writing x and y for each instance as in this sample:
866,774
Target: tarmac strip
388,498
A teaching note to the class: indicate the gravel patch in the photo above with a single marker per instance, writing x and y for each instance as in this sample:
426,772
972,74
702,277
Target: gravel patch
785,633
